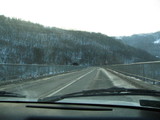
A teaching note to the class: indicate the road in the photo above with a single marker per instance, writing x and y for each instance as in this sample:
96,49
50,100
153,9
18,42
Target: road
85,79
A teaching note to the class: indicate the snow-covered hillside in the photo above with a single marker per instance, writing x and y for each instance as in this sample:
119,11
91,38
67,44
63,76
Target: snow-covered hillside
149,42
27,43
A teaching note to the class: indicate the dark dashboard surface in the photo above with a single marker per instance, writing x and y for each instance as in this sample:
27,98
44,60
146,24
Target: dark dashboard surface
62,111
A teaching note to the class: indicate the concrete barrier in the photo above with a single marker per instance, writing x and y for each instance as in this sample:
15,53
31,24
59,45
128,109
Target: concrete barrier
134,81
10,73
146,71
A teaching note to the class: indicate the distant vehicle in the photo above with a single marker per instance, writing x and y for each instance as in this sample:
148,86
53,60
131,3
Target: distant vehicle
75,63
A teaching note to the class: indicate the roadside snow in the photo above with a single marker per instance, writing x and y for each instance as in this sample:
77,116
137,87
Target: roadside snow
117,81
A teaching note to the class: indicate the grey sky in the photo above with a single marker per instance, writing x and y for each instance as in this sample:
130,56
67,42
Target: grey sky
110,17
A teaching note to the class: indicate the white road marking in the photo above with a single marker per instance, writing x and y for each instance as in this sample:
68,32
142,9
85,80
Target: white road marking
68,84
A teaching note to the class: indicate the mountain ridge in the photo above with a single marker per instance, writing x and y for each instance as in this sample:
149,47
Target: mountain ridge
28,43
149,42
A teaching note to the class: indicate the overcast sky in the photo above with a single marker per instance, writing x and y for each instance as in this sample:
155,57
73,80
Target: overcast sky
110,17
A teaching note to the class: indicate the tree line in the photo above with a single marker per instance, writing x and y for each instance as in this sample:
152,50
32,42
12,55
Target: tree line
29,43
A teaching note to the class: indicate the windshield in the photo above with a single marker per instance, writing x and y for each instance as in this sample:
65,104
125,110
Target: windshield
51,48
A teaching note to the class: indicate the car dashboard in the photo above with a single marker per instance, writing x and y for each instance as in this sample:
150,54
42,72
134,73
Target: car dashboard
70,111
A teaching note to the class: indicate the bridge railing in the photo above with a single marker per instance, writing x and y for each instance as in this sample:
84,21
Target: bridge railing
146,71
30,71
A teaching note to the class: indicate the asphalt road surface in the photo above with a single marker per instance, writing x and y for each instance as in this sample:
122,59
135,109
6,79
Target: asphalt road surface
75,81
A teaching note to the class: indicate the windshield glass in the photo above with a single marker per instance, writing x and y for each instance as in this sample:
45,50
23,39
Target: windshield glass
51,48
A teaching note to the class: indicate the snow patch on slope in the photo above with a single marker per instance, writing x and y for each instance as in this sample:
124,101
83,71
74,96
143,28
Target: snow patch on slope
157,41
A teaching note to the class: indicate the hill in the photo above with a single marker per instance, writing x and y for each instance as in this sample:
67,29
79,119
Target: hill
27,43
149,42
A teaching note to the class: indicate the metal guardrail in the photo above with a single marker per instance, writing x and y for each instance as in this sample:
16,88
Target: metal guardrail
28,71
146,71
